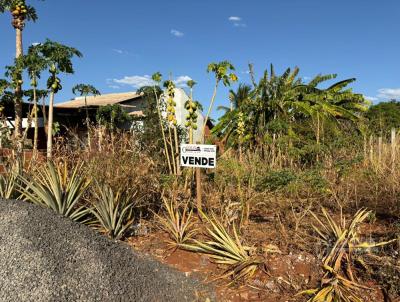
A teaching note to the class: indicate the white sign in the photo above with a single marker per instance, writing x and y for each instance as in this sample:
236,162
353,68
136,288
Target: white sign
200,156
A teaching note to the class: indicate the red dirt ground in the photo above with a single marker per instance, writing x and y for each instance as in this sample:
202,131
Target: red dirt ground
287,273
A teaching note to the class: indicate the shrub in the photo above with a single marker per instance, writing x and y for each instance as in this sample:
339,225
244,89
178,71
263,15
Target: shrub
177,223
113,211
58,188
227,250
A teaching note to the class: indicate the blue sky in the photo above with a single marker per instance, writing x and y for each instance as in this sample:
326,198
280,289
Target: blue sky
123,44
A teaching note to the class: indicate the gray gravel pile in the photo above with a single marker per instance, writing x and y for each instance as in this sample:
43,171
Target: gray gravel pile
45,257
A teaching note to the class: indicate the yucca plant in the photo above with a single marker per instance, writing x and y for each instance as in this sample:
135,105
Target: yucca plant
58,188
227,250
9,184
343,245
177,223
113,211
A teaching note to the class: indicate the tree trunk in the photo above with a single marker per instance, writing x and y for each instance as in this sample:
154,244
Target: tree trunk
18,95
50,127
209,111
162,130
178,167
87,125
36,131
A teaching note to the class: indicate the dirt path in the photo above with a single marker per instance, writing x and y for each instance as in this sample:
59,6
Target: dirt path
45,257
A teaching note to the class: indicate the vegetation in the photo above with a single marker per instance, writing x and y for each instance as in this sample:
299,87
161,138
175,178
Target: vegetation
113,212
288,148
85,90
57,188
178,223
227,250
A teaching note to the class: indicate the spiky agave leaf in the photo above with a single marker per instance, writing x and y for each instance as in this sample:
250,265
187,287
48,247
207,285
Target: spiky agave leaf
113,211
227,250
341,240
9,183
57,188
177,223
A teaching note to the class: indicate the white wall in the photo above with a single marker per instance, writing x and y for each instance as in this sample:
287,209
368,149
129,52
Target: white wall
180,98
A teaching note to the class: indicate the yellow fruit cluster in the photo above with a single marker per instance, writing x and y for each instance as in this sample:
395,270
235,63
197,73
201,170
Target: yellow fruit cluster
241,124
191,117
19,10
171,104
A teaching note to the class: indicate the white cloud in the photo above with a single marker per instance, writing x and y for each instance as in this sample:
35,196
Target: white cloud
371,98
389,93
235,19
138,81
135,81
182,80
35,43
177,33
120,51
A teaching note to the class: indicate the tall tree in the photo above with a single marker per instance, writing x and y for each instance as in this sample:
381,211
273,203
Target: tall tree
59,58
35,63
85,90
21,12
223,71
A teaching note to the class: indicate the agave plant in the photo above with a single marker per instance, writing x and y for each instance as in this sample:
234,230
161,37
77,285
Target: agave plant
227,250
342,246
58,188
113,212
177,223
9,184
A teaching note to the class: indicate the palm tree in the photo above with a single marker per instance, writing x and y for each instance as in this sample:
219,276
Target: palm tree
21,12
223,71
35,63
85,90
59,58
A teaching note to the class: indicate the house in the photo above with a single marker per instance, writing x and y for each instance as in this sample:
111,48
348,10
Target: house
71,114
134,104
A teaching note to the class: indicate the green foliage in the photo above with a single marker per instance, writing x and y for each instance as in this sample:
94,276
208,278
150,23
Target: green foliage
112,116
281,106
19,10
223,72
383,117
276,180
113,211
85,90
58,188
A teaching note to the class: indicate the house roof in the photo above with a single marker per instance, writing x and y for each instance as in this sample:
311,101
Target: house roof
100,100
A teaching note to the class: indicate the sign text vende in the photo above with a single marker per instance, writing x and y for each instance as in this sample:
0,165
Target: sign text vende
199,156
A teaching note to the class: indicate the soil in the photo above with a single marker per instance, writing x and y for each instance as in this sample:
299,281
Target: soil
286,272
